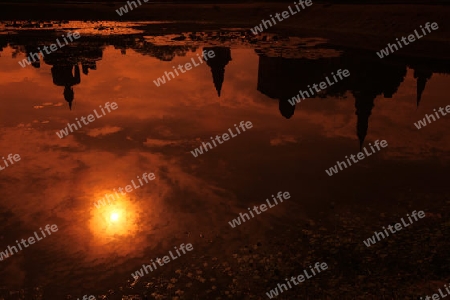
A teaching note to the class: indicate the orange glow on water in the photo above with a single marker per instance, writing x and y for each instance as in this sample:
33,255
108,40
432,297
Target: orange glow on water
114,217
118,218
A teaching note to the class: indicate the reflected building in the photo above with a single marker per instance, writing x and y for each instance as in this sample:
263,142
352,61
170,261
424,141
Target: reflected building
276,79
279,78
422,77
65,62
282,78
89,58
364,105
66,76
222,56
423,71
369,78
66,66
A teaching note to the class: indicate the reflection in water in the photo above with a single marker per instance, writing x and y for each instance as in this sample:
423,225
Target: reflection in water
422,77
65,70
222,56
278,77
114,220
63,76
123,232
282,78
161,52
369,79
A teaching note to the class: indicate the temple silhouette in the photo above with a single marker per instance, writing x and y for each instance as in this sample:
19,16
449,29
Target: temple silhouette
282,78
422,77
65,66
370,78
279,78
222,56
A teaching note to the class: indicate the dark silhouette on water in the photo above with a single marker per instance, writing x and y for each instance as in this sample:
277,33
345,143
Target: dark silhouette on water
286,109
66,66
282,78
88,65
422,78
363,104
222,56
278,78
64,76
369,78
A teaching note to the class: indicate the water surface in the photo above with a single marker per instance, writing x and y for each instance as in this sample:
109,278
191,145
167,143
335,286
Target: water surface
192,198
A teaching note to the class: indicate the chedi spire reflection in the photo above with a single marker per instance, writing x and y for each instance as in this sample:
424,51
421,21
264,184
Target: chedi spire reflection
217,65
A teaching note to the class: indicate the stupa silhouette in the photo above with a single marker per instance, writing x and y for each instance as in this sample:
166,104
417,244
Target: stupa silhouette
222,56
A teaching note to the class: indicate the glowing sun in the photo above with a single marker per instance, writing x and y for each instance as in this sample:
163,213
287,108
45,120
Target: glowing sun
114,217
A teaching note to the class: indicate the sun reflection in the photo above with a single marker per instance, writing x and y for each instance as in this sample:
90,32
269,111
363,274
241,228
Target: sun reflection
115,218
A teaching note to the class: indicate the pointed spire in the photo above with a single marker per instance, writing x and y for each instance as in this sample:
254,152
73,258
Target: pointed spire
362,126
222,56
68,95
218,77
422,78
364,105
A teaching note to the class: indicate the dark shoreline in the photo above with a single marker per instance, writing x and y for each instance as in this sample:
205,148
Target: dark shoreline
367,27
